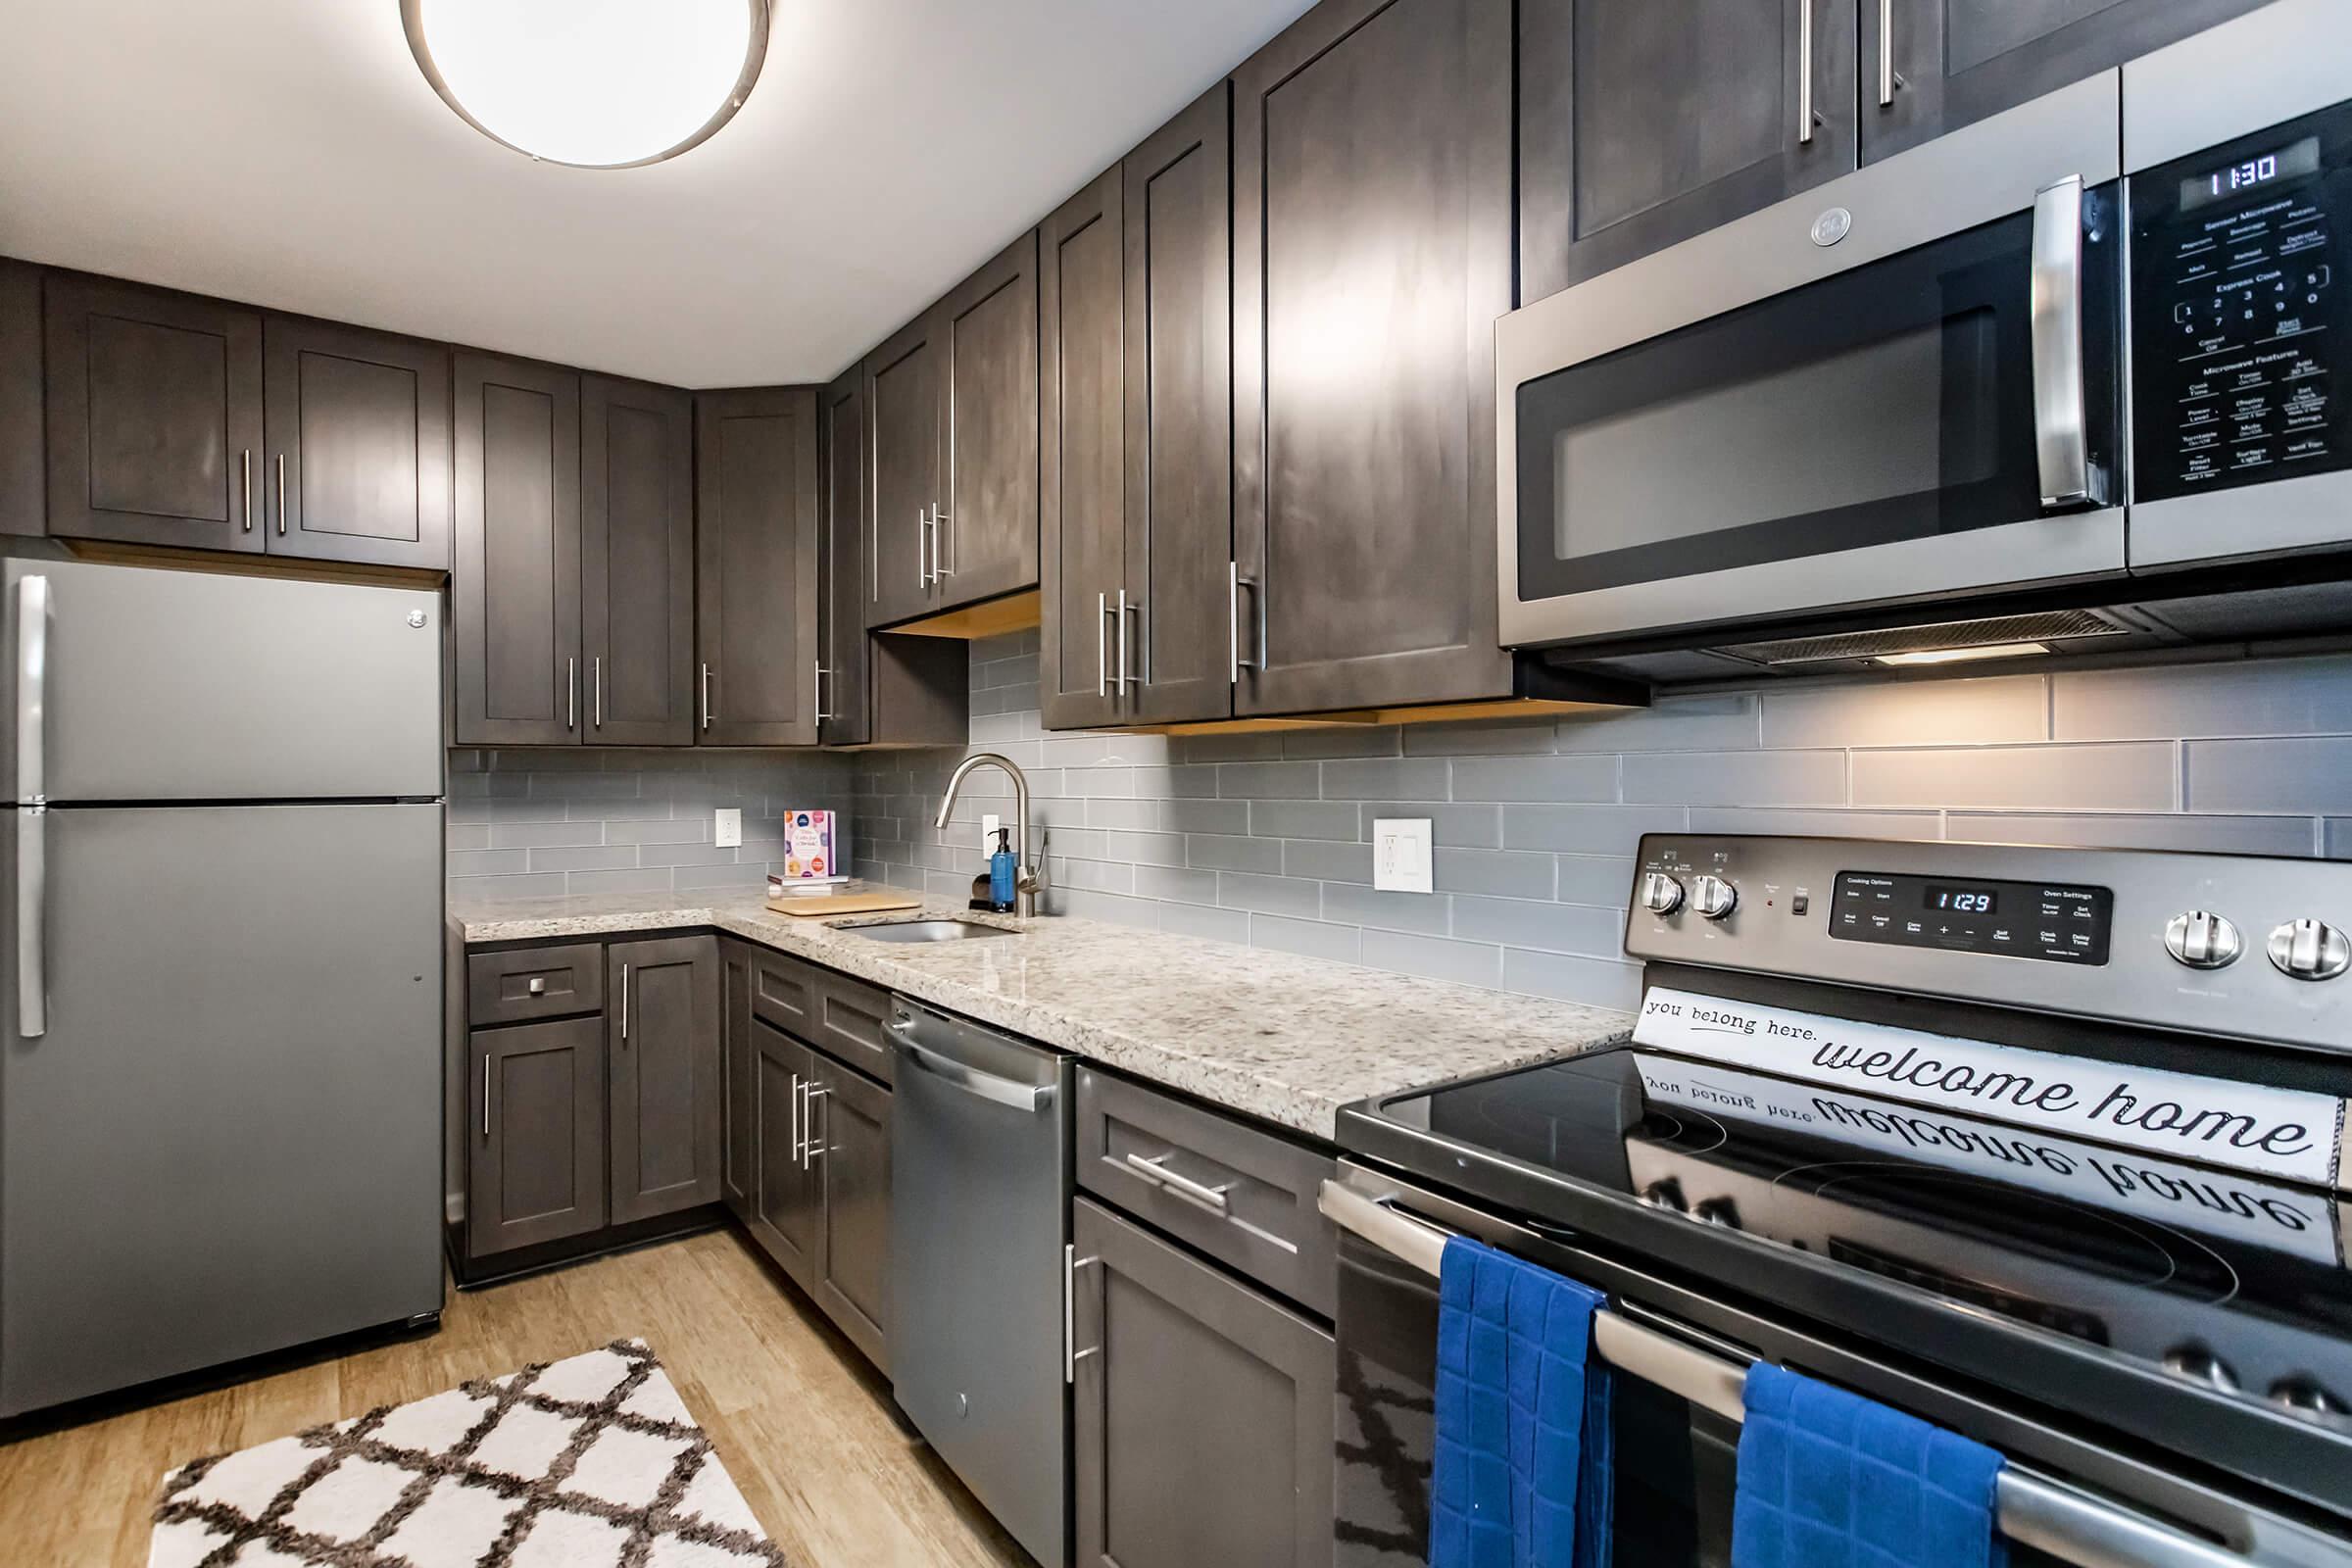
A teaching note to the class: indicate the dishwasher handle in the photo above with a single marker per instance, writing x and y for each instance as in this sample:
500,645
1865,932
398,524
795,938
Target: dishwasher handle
987,1086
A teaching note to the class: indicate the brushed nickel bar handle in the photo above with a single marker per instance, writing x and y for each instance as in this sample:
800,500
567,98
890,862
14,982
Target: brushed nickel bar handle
1122,675
923,546
248,464
706,693
1071,1355
1886,53
600,691
810,1095
1804,72
282,495
485,1094
1101,651
1155,1169
938,521
624,1003
796,1141
572,693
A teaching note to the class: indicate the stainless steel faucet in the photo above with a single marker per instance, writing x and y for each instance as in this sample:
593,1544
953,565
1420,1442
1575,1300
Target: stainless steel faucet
1027,882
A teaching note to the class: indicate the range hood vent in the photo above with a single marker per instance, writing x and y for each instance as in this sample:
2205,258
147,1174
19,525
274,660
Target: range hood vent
2046,626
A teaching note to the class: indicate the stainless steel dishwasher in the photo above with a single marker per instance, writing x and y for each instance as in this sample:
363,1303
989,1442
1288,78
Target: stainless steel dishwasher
980,1203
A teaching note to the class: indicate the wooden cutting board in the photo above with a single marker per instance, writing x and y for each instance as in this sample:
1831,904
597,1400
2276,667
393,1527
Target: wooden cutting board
821,905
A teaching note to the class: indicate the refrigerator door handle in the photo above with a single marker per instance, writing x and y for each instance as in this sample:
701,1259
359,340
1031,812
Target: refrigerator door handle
32,900
32,680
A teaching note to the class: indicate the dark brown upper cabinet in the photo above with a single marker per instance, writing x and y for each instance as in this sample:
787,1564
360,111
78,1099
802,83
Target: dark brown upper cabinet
358,434
636,563
1372,253
984,534
758,668
880,689
952,405
1640,125
662,1048
1179,415
515,581
1933,65
1082,283
906,407
155,416
23,486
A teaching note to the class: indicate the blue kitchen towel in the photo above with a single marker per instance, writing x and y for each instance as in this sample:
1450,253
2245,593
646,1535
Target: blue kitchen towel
1831,1480
1522,1474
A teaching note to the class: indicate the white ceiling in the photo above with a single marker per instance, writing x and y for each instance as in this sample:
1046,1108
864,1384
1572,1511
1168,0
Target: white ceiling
288,152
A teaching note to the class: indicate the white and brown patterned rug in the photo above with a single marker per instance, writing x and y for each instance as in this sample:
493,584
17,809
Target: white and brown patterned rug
590,1463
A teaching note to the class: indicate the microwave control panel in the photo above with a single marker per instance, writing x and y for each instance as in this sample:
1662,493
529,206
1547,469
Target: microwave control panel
2239,310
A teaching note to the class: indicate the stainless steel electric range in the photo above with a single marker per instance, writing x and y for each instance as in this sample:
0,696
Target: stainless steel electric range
2044,1145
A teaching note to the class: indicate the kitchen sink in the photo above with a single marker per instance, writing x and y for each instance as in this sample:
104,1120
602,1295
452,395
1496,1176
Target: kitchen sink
930,931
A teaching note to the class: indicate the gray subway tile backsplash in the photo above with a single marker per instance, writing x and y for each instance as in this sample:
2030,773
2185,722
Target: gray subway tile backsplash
1264,838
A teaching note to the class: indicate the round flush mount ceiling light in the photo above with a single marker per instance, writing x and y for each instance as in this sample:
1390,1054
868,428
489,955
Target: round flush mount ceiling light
596,83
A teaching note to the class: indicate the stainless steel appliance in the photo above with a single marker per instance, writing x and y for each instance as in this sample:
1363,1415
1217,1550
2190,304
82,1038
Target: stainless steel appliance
980,1299
1836,1142
221,1094
1995,391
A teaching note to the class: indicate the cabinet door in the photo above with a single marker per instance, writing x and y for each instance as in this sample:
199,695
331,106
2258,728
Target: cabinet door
785,1219
986,538
1933,65
358,430
1372,253
1179,414
23,503
663,1052
1083,566
758,552
1644,124
848,1117
636,563
845,716
906,404
1197,1387
515,581
536,1155
735,1076
154,416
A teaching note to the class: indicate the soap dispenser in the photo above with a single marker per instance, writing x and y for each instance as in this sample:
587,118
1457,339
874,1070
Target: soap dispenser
1001,869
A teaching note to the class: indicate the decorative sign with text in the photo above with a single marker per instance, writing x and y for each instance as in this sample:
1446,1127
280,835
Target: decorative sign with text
2240,1208
2286,1133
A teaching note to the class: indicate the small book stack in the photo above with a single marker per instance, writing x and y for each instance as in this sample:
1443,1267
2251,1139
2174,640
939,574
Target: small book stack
815,855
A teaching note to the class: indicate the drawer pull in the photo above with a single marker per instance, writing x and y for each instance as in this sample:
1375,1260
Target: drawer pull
538,985
1154,1169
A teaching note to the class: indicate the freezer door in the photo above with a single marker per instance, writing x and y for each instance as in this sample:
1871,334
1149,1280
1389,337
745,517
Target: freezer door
195,686
226,1138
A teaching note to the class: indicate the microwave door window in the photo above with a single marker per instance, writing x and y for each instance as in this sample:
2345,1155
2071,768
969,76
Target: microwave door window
1896,417
1889,403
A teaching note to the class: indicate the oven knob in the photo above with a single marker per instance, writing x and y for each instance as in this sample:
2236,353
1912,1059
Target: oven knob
2303,1396
1666,1193
1713,897
1718,1211
2202,940
2311,950
2199,1365
1661,893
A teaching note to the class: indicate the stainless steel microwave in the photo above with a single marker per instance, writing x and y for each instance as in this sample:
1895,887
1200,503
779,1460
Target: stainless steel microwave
2061,357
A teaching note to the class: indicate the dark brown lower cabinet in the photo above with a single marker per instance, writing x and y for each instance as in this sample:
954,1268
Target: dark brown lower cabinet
735,1075
537,1162
784,1218
1203,1412
663,1056
848,1126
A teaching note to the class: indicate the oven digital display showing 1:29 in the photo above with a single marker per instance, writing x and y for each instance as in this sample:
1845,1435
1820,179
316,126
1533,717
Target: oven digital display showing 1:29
1962,901
2287,163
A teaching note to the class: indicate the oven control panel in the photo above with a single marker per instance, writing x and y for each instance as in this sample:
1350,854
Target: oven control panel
2239,311
2244,945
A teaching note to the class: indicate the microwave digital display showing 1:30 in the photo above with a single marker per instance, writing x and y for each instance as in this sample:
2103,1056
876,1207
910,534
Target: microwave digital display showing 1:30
2291,162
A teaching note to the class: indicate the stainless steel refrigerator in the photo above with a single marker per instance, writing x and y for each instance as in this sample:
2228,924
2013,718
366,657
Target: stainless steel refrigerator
220,1099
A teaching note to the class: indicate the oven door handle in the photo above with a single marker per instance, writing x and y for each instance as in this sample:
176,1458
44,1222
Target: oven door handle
2061,434
2049,1515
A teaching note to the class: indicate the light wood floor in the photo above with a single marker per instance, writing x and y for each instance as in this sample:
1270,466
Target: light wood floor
800,1418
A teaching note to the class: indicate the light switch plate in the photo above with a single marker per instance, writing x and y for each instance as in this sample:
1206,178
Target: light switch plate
726,827
990,822
1401,855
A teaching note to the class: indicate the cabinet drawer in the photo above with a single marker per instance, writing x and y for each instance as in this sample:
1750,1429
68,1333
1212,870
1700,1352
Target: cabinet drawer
849,1015
784,991
1243,1197
527,983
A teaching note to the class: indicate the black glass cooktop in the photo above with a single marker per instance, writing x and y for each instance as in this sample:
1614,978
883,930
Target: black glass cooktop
2225,1284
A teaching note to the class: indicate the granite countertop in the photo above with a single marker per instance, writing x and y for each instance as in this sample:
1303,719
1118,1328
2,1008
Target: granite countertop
1284,1038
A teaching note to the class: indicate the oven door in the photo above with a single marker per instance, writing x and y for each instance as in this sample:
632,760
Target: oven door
1901,387
1678,1361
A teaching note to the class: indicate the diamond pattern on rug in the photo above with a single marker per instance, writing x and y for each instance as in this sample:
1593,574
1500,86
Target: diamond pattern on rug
590,1463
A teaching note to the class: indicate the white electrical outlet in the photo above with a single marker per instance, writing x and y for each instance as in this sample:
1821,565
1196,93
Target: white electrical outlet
989,821
1401,855
726,827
